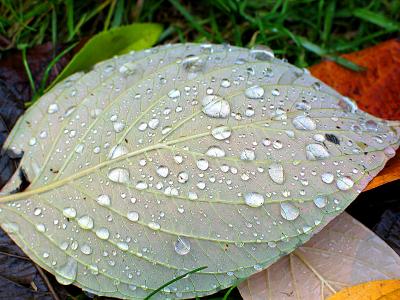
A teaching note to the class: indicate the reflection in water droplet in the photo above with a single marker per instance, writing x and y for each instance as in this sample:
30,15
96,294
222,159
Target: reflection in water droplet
202,164
103,200
119,175
344,183
254,92
316,152
215,151
215,106
66,274
304,123
262,53
320,201
254,199
289,211
275,171
182,246
85,222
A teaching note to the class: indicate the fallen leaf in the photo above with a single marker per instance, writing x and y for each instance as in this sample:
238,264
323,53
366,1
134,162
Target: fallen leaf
373,290
337,257
376,90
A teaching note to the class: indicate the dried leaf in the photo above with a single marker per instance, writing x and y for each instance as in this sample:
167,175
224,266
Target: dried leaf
373,290
140,165
376,90
343,254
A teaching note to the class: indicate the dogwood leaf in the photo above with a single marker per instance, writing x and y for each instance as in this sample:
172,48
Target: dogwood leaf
162,161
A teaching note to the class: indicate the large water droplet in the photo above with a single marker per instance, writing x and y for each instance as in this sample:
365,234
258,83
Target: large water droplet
215,106
66,274
344,183
202,164
254,92
118,126
69,212
103,200
123,246
304,123
117,151
316,152
215,151
154,226
254,199
119,175
262,53
327,177
275,171
173,94
225,83
182,246
86,249
221,132
320,201
53,108
289,211
85,222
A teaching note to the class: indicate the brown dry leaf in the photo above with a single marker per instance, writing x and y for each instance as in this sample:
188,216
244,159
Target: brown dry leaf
343,254
373,290
375,90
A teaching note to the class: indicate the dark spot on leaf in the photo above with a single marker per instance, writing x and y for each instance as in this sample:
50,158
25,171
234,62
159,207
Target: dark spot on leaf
24,180
332,138
54,171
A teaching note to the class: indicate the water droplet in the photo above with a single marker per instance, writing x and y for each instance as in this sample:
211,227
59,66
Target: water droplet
254,92
275,92
320,201
304,123
85,222
275,171
182,246
66,274
69,212
344,183
103,200
327,177
123,246
254,199
316,152
371,125
154,226
141,185
119,175
41,227
142,126
261,52
289,211
248,154
53,108
153,123
118,126
389,151
221,132
37,211
32,141
202,164
86,249
102,233
162,171
132,216
215,106
117,151
173,94
79,148
215,151
193,63
183,177
225,83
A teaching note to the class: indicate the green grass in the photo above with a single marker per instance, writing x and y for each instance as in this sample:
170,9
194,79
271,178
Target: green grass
302,31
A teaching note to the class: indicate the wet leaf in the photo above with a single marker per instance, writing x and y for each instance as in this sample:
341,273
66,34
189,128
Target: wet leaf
375,90
373,290
337,257
166,160
113,42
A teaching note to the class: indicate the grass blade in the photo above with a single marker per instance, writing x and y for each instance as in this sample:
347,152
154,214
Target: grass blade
377,19
174,280
27,68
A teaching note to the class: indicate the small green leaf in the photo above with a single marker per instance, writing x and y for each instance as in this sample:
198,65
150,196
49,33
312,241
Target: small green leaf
377,19
106,44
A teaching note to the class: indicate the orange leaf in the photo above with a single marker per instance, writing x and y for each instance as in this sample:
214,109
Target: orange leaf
373,290
376,90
